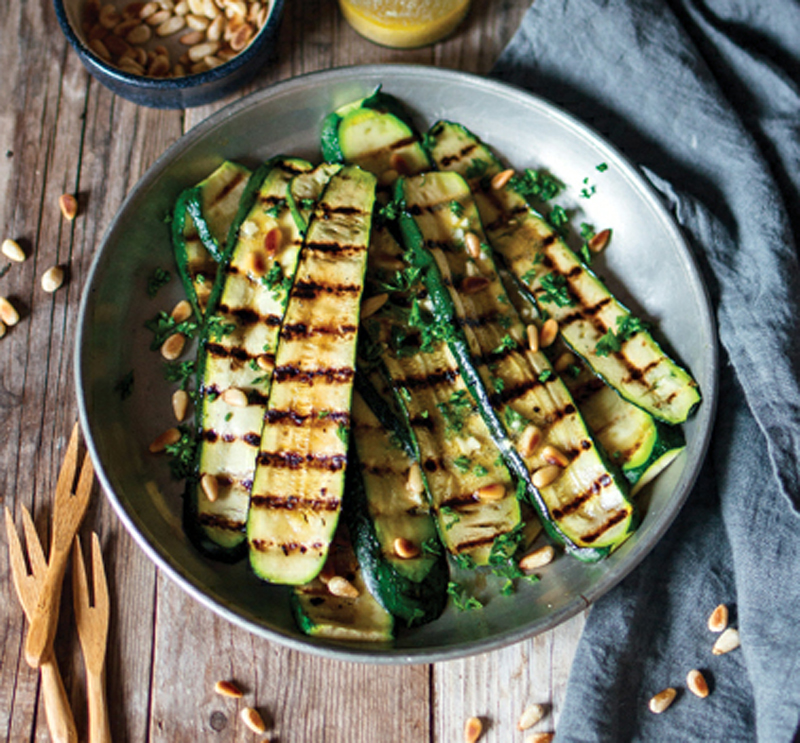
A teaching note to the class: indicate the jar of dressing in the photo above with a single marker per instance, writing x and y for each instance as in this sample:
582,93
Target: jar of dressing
404,24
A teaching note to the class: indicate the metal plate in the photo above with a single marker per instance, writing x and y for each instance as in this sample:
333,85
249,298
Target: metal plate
648,264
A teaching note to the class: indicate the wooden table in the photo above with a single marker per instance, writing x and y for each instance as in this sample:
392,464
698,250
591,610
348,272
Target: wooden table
60,131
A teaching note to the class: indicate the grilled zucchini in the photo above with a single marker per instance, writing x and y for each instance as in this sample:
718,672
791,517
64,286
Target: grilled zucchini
594,324
298,485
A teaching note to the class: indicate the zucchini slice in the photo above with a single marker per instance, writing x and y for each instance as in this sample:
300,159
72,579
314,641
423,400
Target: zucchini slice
594,324
360,618
376,134
237,355
299,480
586,505
386,502
202,218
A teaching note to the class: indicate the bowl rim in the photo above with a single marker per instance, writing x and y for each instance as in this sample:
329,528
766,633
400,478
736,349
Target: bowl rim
387,656
191,80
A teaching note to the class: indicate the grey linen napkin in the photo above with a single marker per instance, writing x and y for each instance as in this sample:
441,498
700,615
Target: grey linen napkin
704,97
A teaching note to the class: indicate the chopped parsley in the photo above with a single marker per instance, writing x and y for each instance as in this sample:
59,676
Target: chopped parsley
432,546
476,169
546,376
228,417
558,218
343,432
179,372
182,454
307,204
163,326
462,463
602,167
480,470
124,387
456,209
588,189
451,515
276,208
160,277
506,344
461,601
515,421
391,210
556,290
465,562
536,185
218,328
502,562
627,326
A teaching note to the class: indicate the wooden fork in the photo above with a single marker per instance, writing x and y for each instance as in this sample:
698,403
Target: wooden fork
60,721
67,516
92,623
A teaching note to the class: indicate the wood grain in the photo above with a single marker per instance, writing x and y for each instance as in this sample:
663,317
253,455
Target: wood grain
66,133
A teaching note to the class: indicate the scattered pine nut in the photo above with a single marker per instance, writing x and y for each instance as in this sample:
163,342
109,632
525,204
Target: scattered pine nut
171,26
181,311
473,728
235,397
180,404
342,587
662,700
564,362
253,720
405,548
264,362
473,284
169,437
718,620
173,347
13,251
538,558
52,279
414,483
473,245
192,38
540,738
551,455
494,492
533,337
327,572
210,487
3,329
548,333
8,313
373,304
529,440
727,641
530,717
599,241
228,689
697,683
546,475
141,34
502,178
199,51
68,205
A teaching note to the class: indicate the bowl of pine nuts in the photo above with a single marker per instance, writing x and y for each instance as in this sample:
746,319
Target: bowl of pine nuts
171,53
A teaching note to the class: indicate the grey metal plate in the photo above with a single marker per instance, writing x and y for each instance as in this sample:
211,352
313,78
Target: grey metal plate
649,264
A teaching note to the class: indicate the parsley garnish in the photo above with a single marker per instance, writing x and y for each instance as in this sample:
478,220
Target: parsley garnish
307,204
179,371
343,432
476,169
546,376
602,167
457,209
453,517
462,463
228,417
558,218
160,277
461,601
124,387
163,326
275,209
515,421
182,454
218,328
536,185
588,190
556,290
391,210
611,342
465,562
432,546
480,470
506,344
501,559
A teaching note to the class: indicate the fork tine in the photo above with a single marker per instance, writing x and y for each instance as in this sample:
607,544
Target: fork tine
86,479
19,571
35,552
66,476
99,580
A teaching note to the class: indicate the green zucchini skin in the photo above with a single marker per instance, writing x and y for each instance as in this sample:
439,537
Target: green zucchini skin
447,316
640,370
377,134
379,508
299,480
249,312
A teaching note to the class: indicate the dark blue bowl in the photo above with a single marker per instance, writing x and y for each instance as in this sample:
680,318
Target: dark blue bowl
175,92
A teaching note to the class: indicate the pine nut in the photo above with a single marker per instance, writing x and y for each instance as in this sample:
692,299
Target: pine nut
235,397
13,251
697,683
139,35
546,475
124,28
132,10
199,51
3,329
178,70
198,67
197,22
192,38
529,440
231,27
216,28
727,641
196,7
718,620
662,700
169,437
118,47
370,306
228,689
180,404
172,348
159,17
263,14
52,279
8,313
538,558
147,10
564,362
494,492
339,586
253,11
540,738
599,241
181,311
171,26
253,720
209,9
533,337
473,284
68,205
473,728
414,483
131,67
141,56
551,455
501,179
327,572
473,245
210,487
405,549
109,16
182,8
530,717
264,362
159,66
98,32
548,334
241,38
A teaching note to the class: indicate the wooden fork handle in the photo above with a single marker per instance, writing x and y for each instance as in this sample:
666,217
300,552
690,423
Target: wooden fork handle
60,721
99,729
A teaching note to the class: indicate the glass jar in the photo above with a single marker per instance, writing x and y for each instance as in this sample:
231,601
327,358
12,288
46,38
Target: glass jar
404,24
